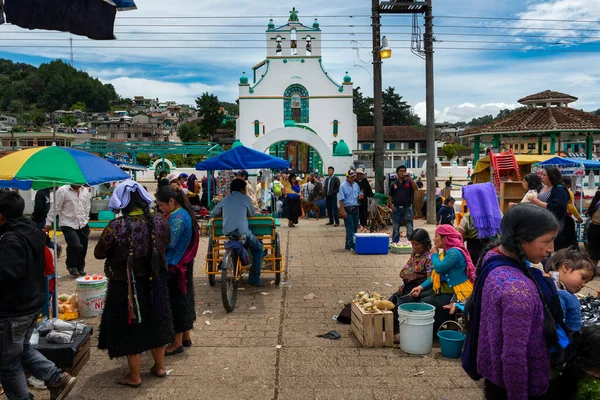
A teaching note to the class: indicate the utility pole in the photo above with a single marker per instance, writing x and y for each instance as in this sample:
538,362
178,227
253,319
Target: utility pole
378,156
430,114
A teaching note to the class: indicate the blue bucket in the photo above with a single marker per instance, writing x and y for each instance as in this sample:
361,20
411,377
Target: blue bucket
451,343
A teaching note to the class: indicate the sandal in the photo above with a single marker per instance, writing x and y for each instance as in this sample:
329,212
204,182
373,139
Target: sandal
187,343
155,373
123,382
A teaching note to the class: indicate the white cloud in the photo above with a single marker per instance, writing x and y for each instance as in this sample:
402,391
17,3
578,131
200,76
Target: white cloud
183,93
463,112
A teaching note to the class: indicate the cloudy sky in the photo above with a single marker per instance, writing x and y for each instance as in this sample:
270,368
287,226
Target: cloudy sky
178,49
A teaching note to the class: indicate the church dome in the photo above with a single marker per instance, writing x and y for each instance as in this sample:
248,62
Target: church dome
342,149
347,78
316,24
237,143
271,24
243,79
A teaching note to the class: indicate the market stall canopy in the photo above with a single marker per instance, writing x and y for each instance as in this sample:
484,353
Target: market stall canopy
42,167
242,157
570,166
127,166
481,173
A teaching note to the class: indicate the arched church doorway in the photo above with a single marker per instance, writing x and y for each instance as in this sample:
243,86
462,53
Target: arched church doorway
302,157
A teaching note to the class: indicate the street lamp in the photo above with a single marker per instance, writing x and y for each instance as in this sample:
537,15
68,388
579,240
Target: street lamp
385,51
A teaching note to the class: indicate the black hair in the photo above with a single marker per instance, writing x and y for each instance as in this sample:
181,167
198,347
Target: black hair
167,193
567,182
290,176
448,184
400,167
587,354
237,185
422,236
163,182
330,167
448,200
525,223
554,175
572,259
592,208
11,204
162,174
534,182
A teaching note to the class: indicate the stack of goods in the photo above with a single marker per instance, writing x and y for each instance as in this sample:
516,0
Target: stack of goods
380,217
223,182
590,311
402,246
372,302
68,307
58,331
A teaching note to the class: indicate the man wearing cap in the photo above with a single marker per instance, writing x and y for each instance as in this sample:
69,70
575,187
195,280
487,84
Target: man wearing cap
332,187
365,189
402,196
250,192
349,196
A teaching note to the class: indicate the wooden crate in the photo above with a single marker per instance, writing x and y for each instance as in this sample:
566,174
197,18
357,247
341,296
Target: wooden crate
510,192
368,327
81,358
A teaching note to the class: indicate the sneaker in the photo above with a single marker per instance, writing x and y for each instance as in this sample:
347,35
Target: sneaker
59,251
63,387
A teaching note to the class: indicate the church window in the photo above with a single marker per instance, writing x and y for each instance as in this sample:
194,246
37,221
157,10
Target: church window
295,104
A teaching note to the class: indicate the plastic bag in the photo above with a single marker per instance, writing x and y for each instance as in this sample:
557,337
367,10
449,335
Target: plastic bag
59,337
44,327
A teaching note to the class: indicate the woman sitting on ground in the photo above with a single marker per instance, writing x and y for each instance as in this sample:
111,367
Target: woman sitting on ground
453,274
137,314
414,273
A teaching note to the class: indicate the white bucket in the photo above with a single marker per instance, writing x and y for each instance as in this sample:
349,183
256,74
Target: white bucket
416,327
91,295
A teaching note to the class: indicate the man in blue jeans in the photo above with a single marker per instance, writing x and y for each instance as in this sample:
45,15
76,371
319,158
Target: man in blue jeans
402,196
22,292
235,210
348,196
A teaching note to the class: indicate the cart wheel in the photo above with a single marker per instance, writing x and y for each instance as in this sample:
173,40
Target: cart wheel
277,255
212,278
229,284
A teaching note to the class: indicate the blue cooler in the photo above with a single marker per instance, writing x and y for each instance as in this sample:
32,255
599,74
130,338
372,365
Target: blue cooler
371,243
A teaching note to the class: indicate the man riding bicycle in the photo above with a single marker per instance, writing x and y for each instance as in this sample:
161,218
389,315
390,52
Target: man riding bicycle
235,210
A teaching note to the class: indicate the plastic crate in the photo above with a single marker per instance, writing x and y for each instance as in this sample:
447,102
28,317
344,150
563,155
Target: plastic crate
371,243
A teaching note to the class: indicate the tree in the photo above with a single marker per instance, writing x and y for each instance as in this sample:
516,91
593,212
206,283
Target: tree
209,110
395,110
231,108
449,151
188,132
69,121
79,106
38,117
144,159
15,107
363,108
597,112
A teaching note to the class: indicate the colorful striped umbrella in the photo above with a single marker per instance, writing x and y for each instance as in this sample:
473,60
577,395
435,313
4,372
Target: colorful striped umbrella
43,167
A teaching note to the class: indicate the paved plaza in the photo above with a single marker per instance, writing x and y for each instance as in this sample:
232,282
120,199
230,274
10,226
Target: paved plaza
267,347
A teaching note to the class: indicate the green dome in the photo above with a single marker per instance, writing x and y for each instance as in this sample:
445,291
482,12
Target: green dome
237,143
342,149
271,24
316,24
347,78
243,79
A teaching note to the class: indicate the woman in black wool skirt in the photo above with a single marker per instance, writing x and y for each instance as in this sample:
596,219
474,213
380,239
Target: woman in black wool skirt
181,251
137,313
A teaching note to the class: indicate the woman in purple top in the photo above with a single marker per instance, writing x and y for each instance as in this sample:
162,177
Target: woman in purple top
513,317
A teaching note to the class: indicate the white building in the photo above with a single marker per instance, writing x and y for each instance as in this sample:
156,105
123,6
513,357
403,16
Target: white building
293,108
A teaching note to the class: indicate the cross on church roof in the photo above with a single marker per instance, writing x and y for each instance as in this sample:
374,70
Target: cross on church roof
294,15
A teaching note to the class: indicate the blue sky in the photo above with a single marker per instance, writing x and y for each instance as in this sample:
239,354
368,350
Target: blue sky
147,60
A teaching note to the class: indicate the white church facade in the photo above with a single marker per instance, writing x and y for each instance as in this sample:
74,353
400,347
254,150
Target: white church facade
292,108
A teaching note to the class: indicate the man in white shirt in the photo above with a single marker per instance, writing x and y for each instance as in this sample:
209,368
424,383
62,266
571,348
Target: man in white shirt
73,203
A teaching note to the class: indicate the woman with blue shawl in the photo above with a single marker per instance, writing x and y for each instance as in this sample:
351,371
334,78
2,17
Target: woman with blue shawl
181,252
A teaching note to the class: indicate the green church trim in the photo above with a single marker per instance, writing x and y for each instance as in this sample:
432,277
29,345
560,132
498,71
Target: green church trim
268,62
340,87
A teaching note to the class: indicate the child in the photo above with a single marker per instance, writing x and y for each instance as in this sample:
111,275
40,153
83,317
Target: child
415,272
446,214
571,270
582,380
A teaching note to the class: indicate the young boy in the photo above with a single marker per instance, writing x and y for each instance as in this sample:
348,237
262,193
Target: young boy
22,292
446,214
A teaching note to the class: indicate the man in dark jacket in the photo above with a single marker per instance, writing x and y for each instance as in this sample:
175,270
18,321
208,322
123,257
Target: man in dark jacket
331,189
22,292
365,188
41,208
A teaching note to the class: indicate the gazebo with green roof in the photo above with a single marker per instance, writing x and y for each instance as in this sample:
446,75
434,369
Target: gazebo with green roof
547,116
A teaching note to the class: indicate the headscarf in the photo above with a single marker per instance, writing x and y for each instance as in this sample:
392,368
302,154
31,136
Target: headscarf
453,239
122,195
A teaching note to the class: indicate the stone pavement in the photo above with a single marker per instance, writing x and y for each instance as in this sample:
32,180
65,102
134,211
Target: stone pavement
267,347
